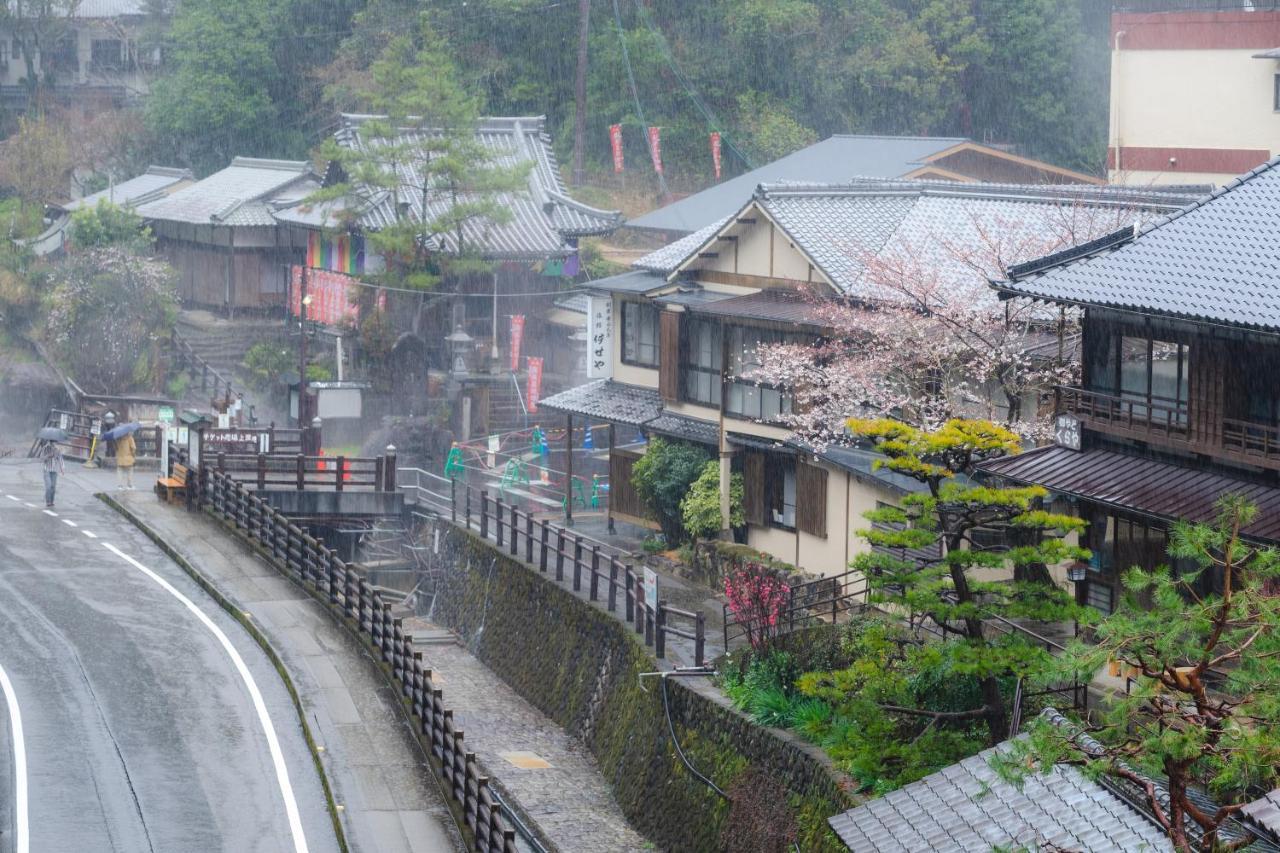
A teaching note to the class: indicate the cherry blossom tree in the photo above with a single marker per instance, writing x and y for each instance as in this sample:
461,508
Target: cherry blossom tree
927,339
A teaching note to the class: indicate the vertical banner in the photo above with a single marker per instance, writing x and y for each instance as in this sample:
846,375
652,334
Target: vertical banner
655,148
615,142
599,337
534,383
517,336
715,151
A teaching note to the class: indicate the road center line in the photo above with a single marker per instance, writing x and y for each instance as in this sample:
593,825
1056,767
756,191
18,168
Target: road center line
31,506
23,829
50,512
68,522
259,705
90,534
12,497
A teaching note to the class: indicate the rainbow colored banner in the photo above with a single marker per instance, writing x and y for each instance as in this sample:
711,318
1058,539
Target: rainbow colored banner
343,253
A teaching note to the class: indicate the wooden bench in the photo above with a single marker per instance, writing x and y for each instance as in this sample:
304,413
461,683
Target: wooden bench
173,489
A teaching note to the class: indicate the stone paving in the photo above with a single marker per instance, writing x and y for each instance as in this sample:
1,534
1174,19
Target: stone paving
550,774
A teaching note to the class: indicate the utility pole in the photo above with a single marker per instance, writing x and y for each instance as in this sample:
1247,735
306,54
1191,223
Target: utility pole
304,414
580,96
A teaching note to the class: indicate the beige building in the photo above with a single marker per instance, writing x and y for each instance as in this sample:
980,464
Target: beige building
673,337
1195,90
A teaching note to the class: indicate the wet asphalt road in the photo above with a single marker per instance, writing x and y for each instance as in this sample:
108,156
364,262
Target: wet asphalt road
140,732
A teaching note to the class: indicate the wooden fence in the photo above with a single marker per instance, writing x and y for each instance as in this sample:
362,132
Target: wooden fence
350,596
80,436
295,471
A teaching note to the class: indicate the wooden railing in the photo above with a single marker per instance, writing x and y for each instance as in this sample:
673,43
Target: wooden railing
1129,415
1251,440
298,472
808,603
211,381
346,592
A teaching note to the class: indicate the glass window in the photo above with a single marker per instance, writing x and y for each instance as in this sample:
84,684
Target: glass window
787,516
640,334
106,53
746,397
703,362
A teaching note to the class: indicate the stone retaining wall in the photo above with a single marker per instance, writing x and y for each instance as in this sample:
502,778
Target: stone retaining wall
581,666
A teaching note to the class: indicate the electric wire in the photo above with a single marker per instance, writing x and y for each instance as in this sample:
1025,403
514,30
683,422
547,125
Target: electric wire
635,93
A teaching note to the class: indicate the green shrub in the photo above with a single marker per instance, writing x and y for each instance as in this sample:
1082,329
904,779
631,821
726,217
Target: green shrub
107,224
655,544
177,385
772,707
700,509
662,478
267,362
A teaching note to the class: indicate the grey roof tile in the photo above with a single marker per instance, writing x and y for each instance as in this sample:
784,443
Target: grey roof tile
237,195
966,807
608,401
1214,260
145,187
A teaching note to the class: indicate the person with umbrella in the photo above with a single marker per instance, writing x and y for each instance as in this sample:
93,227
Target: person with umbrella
52,464
125,452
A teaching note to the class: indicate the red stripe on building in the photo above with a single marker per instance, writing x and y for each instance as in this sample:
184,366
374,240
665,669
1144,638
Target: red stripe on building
1196,30
1218,160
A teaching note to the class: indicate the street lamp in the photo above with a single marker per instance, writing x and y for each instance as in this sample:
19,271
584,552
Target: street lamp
304,409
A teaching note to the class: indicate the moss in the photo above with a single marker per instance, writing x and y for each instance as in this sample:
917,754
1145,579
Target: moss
582,667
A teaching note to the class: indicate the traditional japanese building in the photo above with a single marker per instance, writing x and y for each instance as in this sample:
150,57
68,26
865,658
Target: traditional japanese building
1179,402
672,340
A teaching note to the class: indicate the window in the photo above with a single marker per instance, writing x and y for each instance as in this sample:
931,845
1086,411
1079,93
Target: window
745,397
64,55
106,54
1143,369
639,334
703,362
784,511
769,495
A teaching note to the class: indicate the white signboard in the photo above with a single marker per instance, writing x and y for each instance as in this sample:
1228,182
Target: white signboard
651,589
599,337
1066,432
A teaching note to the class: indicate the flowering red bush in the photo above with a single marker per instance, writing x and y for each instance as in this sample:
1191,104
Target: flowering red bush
758,597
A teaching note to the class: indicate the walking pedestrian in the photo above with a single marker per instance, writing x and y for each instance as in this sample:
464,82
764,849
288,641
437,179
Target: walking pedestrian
125,449
51,462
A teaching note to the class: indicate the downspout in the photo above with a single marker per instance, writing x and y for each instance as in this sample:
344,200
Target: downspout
1117,137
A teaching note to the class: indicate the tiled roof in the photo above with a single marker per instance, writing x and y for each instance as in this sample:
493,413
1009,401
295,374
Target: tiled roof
244,193
672,255
148,186
1141,484
776,304
637,281
608,401
1215,260
967,807
936,224
688,429
544,217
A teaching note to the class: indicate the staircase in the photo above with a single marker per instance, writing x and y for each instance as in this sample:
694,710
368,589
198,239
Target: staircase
223,343
506,405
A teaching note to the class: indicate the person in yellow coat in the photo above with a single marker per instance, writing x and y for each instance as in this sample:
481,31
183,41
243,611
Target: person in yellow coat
125,452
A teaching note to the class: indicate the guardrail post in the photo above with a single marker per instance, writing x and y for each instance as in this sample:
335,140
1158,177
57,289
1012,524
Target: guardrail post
484,514
613,584
560,554
301,464
577,563
700,639
640,605
660,630
497,518
515,528
629,600
542,559
528,537
595,572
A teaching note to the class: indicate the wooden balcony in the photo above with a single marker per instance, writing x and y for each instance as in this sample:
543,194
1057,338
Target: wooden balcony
1147,418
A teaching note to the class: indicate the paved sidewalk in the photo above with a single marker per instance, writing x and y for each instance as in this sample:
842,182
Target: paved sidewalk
549,773
390,799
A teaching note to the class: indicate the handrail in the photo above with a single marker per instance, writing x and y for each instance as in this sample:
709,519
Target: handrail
520,396
1132,412
345,591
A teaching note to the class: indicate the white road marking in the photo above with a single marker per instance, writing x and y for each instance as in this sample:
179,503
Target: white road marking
68,522
90,534
50,512
29,506
12,497
23,829
273,743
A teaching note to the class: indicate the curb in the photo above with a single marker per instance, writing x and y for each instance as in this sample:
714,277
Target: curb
243,618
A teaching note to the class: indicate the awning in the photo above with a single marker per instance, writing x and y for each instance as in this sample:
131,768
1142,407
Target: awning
1139,484
688,429
607,400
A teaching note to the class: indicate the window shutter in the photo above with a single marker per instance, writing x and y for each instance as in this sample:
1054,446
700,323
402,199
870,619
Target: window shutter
669,357
753,488
811,499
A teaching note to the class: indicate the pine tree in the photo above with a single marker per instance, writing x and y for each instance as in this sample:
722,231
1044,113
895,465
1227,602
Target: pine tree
944,519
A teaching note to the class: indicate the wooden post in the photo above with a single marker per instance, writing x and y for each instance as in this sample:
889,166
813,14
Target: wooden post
515,529
468,488
568,467
648,623
660,630
262,470
560,554
700,639
613,584
609,510
497,518
342,466
577,564
301,462
595,572
639,608
542,560
389,468
528,537
484,514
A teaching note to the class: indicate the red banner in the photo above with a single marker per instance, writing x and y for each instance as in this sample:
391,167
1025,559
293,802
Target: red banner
331,296
715,151
535,383
517,336
615,142
655,148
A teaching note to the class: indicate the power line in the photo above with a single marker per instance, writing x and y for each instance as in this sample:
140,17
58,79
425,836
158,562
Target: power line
635,93
707,114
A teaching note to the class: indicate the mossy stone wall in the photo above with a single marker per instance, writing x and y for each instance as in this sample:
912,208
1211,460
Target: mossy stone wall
581,666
